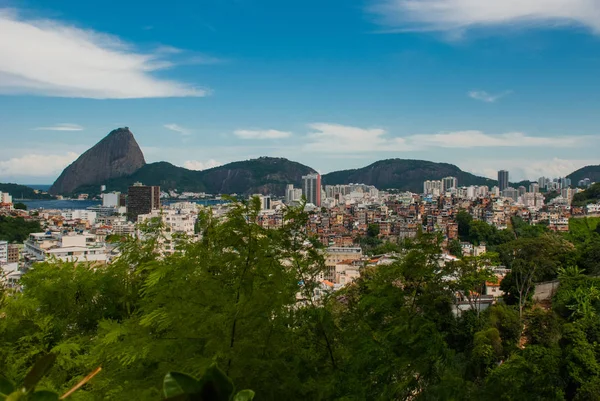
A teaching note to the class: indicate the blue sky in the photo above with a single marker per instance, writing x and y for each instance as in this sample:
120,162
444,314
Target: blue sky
484,84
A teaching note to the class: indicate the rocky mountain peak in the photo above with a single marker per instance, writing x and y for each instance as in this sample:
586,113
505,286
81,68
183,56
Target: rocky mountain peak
117,155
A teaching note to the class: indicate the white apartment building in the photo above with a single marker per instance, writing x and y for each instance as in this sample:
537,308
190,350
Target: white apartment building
3,252
5,198
77,247
181,220
84,214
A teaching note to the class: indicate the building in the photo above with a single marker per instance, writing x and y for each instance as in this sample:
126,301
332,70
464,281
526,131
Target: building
3,252
112,199
337,254
311,188
448,183
534,187
502,180
5,198
433,187
142,199
76,247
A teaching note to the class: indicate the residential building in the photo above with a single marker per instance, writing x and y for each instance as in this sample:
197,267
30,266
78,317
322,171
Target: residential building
76,247
311,188
502,180
3,252
448,183
142,199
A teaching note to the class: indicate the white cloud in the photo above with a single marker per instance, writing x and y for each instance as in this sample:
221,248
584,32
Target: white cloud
334,138
201,165
50,58
460,15
479,139
61,127
37,165
178,128
487,97
262,134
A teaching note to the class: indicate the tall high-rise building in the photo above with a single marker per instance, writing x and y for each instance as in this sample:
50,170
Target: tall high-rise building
142,199
311,188
534,187
502,180
449,183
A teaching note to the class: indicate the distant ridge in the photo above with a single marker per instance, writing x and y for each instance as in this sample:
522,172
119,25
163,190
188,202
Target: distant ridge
404,174
118,162
265,175
117,155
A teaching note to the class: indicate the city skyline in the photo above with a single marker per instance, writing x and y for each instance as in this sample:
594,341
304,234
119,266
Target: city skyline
333,86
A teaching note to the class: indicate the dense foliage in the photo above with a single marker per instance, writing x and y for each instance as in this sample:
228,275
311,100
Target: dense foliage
17,229
249,299
590,195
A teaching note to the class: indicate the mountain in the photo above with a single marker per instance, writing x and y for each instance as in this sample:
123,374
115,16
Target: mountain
23,192
117,155
591,172
263,175
404,174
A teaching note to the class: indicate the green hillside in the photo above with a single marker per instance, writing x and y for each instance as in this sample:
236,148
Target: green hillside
262,175
23,192
404,174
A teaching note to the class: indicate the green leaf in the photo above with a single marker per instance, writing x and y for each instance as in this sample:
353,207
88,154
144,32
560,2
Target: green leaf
244,395
41,367
44,396
176,383
6,386
216,386
16,396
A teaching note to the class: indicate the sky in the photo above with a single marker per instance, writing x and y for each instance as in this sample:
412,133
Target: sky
336,84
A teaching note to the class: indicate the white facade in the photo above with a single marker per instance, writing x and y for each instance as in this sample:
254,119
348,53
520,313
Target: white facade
111,199
5,198
87,215
3,252
76,247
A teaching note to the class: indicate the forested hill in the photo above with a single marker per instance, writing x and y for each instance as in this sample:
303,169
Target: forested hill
590,195
263,175
591,172
23,192
404,174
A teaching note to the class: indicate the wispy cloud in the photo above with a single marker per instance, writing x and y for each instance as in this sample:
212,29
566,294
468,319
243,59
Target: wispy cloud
335,138
201,165
487,97
61,127
39,165
479,139
262,134
179,129
55,59
460,15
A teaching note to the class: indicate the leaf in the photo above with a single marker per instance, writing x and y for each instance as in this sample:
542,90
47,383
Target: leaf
41,367
44,396
244,395
176,383
216,386
6,386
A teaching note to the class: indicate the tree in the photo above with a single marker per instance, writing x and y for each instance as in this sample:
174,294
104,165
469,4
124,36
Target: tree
455,248
373,230
464,219
472,273
20,206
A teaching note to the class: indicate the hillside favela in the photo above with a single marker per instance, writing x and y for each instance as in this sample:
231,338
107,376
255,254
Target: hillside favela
344,200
